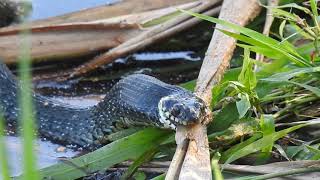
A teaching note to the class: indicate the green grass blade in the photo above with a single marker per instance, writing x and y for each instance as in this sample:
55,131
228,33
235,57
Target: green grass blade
267,52
285,48
281,28
4,166
244,38
314,9
267,127
228,153
128,148
285,76
145,157
284,14
243,105
257,47
247,75
223,120
26,116
261,143
291,5
160,177
216,167
314,90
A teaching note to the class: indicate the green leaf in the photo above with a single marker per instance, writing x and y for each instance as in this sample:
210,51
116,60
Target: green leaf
227,154
284,14
267,52
291,5
261,143
189,85
285,76
216,167
131,147
224,118
160,177
247,76
314,8
273,51
314,90
238,129
139,176
26,114
286,48
243,105
218,92
267,127
145,157
281,28
281,151
303,152
315,151
123,133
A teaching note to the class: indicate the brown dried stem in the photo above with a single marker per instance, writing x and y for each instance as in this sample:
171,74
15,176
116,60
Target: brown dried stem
196,163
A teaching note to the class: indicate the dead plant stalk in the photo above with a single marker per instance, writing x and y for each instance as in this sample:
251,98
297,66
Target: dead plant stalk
193,162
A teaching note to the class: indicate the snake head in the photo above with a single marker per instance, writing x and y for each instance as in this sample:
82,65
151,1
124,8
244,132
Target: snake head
177,110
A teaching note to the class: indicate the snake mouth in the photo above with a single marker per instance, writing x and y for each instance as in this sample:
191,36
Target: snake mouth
167,120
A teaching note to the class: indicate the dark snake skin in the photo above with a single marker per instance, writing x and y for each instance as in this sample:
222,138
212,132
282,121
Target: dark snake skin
136,100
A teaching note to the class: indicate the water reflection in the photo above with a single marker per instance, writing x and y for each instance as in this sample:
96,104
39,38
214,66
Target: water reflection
47,154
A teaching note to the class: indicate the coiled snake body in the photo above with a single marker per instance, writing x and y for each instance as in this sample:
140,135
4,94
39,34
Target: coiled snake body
135,100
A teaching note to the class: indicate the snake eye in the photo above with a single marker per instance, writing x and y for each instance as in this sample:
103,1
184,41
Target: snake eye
175,111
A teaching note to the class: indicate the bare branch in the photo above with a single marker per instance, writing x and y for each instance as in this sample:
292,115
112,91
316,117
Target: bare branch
196,164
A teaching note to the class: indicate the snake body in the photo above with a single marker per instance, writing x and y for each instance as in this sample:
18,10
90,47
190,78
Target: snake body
136,100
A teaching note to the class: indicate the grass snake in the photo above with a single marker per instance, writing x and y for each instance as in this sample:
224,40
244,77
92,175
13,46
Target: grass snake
136,100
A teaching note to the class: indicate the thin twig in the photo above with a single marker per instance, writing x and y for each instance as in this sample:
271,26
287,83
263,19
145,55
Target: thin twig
284,173
177,160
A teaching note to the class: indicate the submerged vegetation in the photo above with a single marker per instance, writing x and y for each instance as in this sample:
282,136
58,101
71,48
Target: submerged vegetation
258,109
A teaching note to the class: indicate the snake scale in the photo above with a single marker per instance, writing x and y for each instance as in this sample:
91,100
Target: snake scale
136,100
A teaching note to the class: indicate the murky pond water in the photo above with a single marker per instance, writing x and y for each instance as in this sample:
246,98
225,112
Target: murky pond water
47,154
171,61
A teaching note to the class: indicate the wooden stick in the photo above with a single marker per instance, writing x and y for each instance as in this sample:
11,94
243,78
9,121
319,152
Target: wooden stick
196,163
130,49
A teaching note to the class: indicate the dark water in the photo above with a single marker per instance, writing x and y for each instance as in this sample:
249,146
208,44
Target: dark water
47,154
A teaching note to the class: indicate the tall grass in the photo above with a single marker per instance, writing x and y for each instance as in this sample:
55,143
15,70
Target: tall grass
26,116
